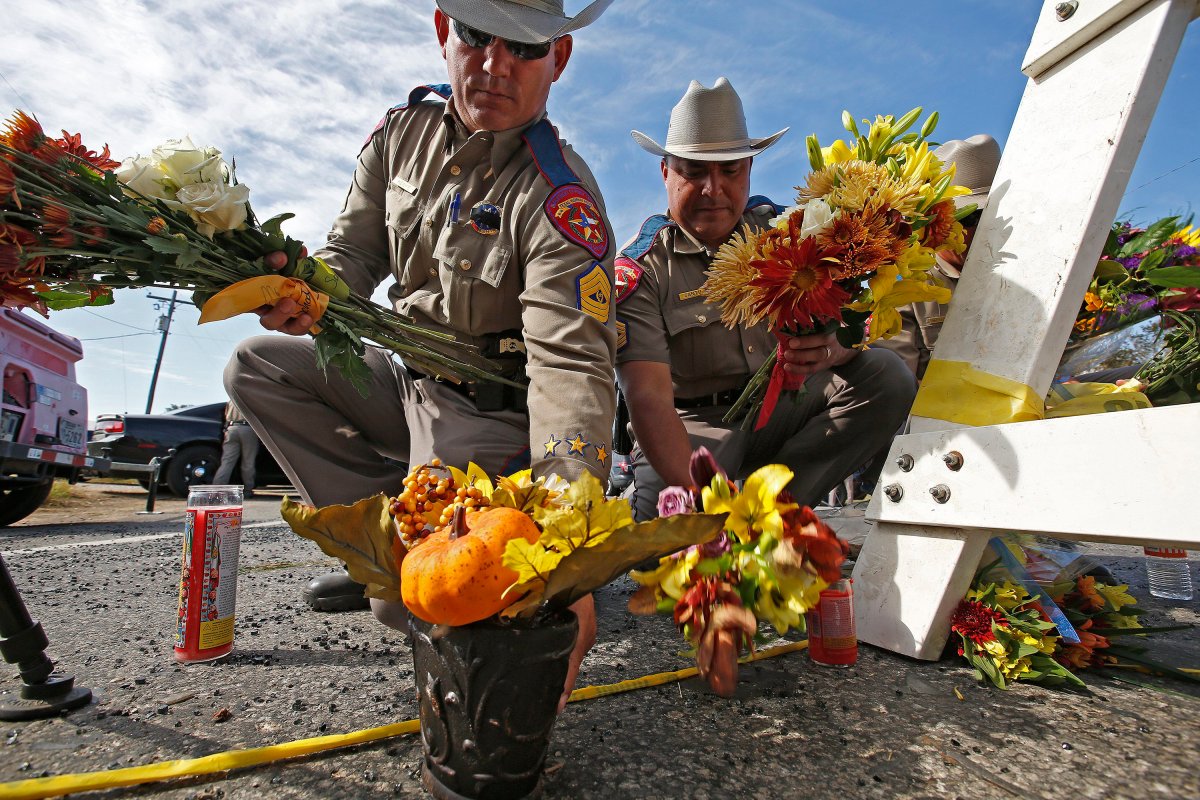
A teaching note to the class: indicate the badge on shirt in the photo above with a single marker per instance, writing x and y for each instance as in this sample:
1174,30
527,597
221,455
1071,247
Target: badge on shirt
622,335
626,274
573,213
594,292
485,219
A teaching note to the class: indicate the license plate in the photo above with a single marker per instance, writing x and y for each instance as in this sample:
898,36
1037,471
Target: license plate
70,433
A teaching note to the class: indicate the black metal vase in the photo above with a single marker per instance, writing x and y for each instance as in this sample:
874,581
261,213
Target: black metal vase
489,698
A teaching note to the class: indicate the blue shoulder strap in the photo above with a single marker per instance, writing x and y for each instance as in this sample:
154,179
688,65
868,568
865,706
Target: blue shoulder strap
418,94
542,142
762,200
645,238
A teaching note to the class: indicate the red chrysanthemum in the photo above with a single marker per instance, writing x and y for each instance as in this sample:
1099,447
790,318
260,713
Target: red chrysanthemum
8,183
72,145
941,222
973,620
799,290
860,244
23,133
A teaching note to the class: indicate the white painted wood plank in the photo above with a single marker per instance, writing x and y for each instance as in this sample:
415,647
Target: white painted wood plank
1127,477
1054,39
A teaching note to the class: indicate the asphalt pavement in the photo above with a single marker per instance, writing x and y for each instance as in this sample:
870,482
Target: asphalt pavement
886,727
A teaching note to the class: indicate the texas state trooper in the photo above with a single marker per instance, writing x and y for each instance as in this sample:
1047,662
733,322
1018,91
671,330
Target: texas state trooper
493,229
680,368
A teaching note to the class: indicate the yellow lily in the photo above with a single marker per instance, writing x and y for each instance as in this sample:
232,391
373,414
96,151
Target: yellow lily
754,510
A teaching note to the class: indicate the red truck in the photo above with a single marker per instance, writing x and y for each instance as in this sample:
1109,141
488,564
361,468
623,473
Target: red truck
43,416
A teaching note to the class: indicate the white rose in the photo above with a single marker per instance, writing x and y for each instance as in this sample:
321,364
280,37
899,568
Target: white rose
142,176
185,164
781,222
214,205
818,216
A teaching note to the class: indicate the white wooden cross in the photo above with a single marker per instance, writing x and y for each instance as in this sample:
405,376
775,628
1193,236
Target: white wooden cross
1127,477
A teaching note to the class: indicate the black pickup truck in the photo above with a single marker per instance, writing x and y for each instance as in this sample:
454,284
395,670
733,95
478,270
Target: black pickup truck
194,433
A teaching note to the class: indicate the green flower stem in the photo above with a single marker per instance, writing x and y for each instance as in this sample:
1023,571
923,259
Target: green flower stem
751,396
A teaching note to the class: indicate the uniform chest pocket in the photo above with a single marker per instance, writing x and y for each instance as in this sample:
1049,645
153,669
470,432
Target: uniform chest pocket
684,316
468,253
404,210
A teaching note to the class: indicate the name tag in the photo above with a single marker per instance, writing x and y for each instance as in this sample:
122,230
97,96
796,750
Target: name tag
691,294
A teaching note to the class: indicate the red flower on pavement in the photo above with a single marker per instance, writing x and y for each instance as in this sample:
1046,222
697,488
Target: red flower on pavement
973,621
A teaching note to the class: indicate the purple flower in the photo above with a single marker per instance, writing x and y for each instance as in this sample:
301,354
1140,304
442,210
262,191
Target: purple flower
719,546
704,467
675,500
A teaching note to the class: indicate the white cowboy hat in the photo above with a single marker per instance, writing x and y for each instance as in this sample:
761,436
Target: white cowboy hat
708,125
975,161
528,21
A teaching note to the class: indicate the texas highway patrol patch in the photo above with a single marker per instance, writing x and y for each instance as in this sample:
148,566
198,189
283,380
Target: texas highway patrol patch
626,274
573,212
594,292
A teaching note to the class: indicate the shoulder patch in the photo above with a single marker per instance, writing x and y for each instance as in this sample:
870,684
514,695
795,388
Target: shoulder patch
627,273
645,238
573,212
418,94
593,293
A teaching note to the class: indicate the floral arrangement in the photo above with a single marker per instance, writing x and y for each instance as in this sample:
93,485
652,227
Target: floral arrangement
770,563
75,224
1067,624
855,248
458,547
1142,271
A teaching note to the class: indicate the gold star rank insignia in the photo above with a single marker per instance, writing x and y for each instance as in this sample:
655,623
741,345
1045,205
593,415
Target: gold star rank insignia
578,444
552,445
601,453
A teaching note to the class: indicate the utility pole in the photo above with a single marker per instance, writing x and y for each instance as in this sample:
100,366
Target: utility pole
164,326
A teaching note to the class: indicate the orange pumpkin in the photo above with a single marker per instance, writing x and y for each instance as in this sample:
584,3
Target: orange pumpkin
456,576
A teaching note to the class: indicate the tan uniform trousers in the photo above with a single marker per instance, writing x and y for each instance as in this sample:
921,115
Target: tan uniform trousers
238,445
844,417
338,447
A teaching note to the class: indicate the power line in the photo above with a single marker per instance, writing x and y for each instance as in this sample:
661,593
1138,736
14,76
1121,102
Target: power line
20,97
1165,174
122,336
117,322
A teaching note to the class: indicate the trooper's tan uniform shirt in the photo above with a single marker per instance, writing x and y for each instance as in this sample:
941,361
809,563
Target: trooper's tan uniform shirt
663,317
545,272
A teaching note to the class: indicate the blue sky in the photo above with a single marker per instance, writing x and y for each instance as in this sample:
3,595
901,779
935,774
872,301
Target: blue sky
291,88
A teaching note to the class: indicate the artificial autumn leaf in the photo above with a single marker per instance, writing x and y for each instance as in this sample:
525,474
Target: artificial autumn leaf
585,569
587,515
530,560
360,535
519,491
474,477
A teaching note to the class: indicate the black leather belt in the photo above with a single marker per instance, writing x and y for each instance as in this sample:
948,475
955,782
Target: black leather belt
486,395
725,398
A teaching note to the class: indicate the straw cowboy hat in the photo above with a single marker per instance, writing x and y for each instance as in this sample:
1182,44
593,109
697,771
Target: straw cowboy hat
708,125
975,160
528,21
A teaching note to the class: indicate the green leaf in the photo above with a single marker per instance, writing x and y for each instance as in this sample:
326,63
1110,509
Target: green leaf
360,535
185,254
62,300
1107,271
1150,238
1173,277
583,571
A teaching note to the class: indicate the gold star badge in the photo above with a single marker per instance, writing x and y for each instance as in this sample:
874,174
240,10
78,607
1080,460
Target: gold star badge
552,445
601,453
577,444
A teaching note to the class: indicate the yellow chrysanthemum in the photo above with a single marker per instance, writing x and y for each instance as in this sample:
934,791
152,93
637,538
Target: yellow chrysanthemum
818,184
1189,236
863,186
729,275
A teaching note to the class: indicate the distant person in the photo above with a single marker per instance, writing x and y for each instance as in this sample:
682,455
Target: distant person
681,368
239,443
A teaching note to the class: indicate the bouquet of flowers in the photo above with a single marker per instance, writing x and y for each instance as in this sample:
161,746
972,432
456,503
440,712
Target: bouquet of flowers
1142,271
770,563
855,248
1031,615
75,224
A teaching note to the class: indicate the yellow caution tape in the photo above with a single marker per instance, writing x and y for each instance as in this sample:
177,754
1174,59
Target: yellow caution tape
1075,399
955,391
59,785
264,290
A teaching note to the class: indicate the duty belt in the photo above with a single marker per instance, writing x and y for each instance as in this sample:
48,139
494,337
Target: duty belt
486,395
725,398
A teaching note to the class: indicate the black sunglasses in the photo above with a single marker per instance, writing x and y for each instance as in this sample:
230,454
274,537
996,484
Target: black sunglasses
472,37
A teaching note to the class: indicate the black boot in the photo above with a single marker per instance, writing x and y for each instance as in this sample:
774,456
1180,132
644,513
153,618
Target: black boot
336,591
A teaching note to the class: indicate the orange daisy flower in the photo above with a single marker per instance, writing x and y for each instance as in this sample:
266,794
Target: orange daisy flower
72,145
796,287
23,133
861,245
941,222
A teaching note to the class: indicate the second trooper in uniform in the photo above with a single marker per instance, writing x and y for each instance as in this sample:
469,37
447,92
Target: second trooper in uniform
680,368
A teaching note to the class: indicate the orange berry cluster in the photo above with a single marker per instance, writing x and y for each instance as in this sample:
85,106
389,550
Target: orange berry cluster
427,502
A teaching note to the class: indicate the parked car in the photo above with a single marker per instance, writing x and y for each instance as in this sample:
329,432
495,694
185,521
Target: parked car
43,414
195,435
